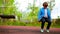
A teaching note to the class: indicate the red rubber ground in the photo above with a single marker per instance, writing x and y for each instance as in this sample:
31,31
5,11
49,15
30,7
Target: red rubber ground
26,30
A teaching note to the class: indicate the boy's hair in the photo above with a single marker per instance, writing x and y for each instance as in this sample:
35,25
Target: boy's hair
45,3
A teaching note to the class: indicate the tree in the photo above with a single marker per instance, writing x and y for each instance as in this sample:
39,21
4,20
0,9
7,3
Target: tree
7,7
51,4
33,14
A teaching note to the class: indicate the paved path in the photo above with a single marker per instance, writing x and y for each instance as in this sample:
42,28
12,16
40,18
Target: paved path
26,30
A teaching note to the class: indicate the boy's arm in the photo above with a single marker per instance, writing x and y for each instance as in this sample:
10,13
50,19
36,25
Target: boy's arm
39,15
50,15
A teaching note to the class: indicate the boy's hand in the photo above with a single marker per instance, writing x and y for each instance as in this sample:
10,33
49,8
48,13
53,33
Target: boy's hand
38,20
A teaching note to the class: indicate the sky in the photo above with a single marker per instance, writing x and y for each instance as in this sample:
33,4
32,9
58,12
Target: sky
22,5
56,10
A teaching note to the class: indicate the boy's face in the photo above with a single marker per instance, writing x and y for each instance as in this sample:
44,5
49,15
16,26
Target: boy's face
45,5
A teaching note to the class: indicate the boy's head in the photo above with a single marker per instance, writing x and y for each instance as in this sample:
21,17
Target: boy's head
45,4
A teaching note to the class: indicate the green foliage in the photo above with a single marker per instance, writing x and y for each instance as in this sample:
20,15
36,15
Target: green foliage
8,2
7,7
57,22
33,14
19,14
1,2
8,10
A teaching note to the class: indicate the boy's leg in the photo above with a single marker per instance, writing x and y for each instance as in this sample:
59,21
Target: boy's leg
49,24
43,22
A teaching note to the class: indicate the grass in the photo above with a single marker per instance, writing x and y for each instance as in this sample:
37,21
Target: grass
18,23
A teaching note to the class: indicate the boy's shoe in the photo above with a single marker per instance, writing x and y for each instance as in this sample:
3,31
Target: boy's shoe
42,30
47,30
